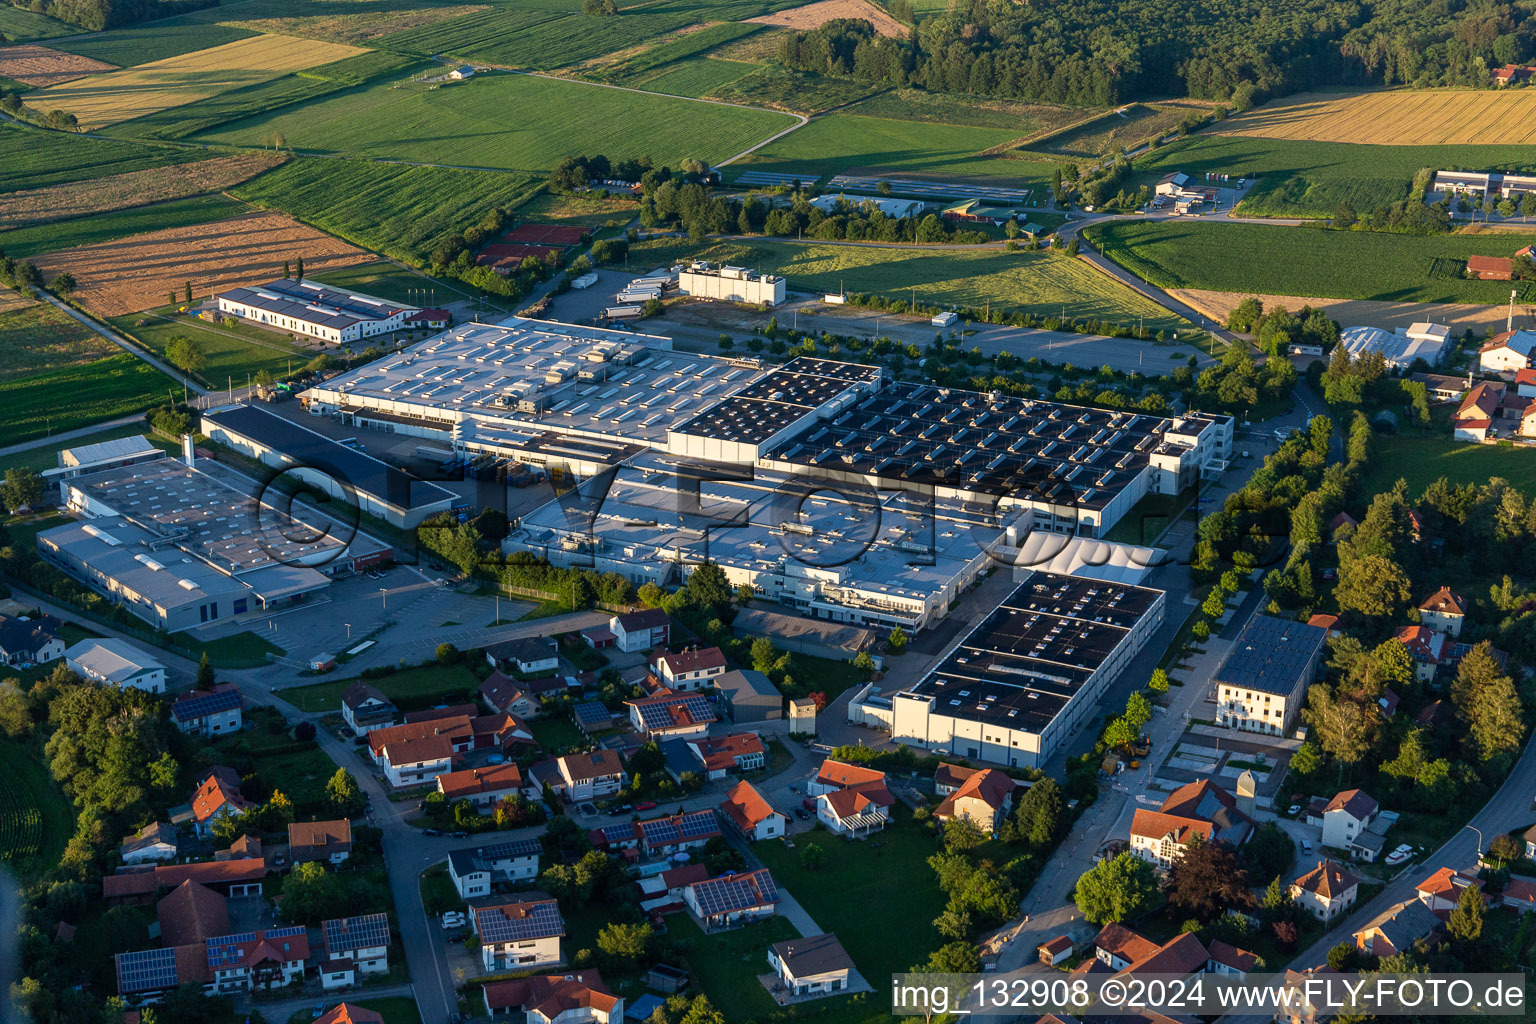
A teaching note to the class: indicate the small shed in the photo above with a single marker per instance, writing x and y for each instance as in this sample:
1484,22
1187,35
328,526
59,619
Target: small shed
461,72
664,978
1056,951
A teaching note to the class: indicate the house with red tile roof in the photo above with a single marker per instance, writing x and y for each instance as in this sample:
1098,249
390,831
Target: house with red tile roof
1228,959
217,795
192,913
1519,894
1056,951
1118,946
1396,929
983,799
576,998
689,668
259,960
751,815
1327,891
231,877
1200,809
501,692
1474,417
329,841
485,787
1444,611
583,776
349,1013
718,756
851,800
1428,648
669,715
1442,890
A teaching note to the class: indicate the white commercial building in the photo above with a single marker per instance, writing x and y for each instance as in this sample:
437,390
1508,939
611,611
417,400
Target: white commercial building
730,284
114,662
895,208
316,310
1399,348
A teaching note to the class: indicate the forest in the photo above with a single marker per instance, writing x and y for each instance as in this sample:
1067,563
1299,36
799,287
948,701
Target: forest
1111,51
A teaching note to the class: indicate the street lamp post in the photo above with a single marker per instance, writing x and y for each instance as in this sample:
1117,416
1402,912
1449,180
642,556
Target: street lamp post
383,598
1479,832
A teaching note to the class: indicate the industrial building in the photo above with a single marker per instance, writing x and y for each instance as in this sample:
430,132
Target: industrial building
318,310
897,209
730,284
180,547
93,458
1025,677
374,487
1399,348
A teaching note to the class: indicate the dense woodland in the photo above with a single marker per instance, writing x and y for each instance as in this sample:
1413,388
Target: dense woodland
95,15
1108,52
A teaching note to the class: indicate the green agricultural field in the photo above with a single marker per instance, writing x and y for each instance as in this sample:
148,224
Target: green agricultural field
33,158
35,819
262,97
1310,179
1017,118
848,143
672,50
36,337
228,352
585,210
1113,131
1045,283
400,211
800,91
104,227
77,396
387,280
142,44
1423,460
467,124
21,26
1306,261
700,77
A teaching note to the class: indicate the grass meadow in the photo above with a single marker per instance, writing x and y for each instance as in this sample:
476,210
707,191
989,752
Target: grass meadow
1111,132
76,396
468,124
20,26
400,211
24,243
228,352
1279,260
1423,460
1038,282
1310,179
145,44
36,337
34,158
1018,118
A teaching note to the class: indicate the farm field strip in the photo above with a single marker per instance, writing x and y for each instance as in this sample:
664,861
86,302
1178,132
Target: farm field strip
33,158
1397,117
75,396
467,124
1112,131
129,47
138,272
42,66
132,92
814,15
134,188
22,26
359,29
27,242
1367,312
1016,117
35,336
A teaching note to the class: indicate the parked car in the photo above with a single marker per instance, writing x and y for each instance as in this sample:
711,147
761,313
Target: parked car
586,808
458,834
1293,810
622,809
431,831
802,813
646,805
458,936
1306,846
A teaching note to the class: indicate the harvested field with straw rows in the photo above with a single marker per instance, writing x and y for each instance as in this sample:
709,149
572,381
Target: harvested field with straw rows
815,15
1397,117
40,66
133,92
135,188
139,272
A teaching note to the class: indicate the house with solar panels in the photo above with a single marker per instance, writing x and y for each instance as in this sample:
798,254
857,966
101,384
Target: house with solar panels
521,933
475,872
258,960
216,712
732,900
659,837
1262,682
353,946
671,716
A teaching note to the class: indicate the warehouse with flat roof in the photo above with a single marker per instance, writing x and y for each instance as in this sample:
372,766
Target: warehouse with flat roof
1025,677
317,310
374,487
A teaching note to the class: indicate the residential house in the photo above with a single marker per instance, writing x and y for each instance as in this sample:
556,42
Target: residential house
664,837
751,815
230,877
329,841
426,744
813,965
1197,808
748,698
336,972
361,941
1444,611
242,847
576,998
1520,894
365,708
586,776
641,630
501,693
258,960
1474,417
349,1013
216,712
1117,946
112,662
1347,815
520,933
983,798
476,871
484,787
1507,351
1327,891
1056,951
1396,929
1530,842
1442,890
663,893
850,799
1262,682
732,899
1303,998
1441,387
528,656
1428,648
670,715
718,756
1512,74
1160,839
217,795
414,762
191,914
1227,959
156,842
689,668
27,641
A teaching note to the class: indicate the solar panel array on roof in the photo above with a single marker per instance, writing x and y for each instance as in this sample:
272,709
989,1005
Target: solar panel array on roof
535,921
189,708
622,833
658,715
357,932
592,713
737,892
664,831
146,970
229,950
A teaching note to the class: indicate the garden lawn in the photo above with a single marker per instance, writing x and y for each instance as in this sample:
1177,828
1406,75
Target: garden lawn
77,396
878,894
727,963
467,124
437,892
843,142
35,817
1310,179
411,689
1423,460
1045,283
556,732
24,243
403,212
1275,260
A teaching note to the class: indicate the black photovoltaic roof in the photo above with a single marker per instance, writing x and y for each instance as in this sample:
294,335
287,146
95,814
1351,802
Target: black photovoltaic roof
477,858
592,712
656,716
189,708
661,831
345,933
737,892
1271,654
225,950
146,970
541,921
368,475
621,833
